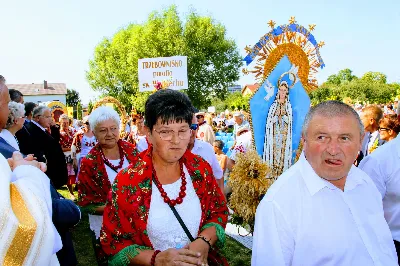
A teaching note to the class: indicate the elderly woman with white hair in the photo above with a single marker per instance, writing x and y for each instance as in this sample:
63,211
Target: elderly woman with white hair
15,122
100,167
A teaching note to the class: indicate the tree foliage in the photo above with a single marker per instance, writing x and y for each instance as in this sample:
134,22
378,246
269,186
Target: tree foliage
234,101
213,59
370,88
72,98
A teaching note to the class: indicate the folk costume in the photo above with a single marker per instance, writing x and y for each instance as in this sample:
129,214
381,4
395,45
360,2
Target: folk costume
137,218
81,146
66,138
95,179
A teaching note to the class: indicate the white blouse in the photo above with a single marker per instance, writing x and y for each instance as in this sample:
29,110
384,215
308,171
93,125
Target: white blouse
162,226
9,138
96,221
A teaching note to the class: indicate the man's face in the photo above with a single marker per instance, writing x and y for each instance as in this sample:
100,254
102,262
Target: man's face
367,121
331,145
45,119
238,120
200,118
4,100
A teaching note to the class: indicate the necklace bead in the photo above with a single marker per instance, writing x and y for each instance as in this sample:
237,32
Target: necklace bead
182,192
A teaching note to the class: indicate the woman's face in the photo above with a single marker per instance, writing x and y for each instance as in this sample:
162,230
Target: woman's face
64,124
19,122
107,133
283,91
385,133
170,141
140,123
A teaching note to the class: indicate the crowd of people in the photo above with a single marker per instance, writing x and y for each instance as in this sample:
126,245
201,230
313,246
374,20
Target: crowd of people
155,194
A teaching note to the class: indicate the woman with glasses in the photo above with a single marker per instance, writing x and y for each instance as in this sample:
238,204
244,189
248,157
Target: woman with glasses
15,122
141,224
389,127
100,167
84,140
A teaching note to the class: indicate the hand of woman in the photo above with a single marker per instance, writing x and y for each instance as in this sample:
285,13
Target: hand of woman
202,247
75,163
183,257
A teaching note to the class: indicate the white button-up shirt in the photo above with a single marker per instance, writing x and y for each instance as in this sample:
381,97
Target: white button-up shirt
205,150
383,166
304,220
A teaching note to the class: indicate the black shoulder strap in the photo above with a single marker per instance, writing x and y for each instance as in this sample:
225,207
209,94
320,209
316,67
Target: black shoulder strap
178,217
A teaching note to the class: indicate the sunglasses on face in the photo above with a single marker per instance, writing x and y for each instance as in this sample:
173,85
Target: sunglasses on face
199,116
87,123
194,126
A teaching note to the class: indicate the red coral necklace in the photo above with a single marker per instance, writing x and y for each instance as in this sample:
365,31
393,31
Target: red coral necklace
121,159
182,192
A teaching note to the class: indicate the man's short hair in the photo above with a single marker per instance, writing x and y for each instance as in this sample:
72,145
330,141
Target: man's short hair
39,110
15,95
373,111
29,106
331,109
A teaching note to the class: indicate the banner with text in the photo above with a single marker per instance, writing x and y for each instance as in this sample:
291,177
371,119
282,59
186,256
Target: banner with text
171,72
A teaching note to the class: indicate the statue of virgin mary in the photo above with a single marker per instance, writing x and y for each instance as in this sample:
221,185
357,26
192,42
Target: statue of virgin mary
278,132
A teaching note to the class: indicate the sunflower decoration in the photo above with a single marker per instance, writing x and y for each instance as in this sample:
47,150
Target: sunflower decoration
249,183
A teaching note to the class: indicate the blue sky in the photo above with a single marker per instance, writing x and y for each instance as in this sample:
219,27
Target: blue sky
55,39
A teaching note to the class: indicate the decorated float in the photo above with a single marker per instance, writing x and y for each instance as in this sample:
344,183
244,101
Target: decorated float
284,61
121,109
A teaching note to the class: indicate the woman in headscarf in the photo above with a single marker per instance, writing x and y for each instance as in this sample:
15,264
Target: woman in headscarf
140,226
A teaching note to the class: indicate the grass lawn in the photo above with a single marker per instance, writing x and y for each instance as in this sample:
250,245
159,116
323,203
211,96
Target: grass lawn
236,253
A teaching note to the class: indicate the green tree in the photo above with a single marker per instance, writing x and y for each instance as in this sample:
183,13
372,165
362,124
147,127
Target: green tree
237,101
343,76
139,100
72,97
374,77
213,59
90,107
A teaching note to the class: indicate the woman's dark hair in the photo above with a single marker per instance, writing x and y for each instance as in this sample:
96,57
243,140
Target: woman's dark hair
168,105
219,144
390,122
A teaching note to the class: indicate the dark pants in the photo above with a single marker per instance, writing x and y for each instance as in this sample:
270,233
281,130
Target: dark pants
397,245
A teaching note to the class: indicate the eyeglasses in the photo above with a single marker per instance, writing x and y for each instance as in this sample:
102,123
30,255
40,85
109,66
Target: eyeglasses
199,116
383,129
87,123
194,126
168,134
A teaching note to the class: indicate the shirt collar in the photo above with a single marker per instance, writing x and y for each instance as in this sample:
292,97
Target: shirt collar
374,135
42,128
315,183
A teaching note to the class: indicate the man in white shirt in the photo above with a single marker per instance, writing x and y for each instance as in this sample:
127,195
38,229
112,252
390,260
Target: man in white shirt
370,117
323,210
383,166
205,131
205,150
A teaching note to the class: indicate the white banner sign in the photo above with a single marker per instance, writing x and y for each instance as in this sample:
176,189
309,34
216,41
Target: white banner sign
171,72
